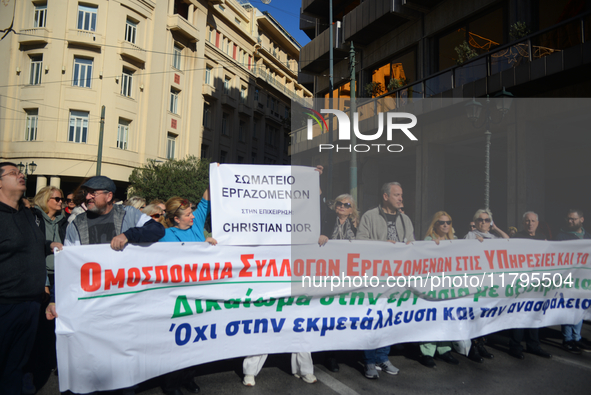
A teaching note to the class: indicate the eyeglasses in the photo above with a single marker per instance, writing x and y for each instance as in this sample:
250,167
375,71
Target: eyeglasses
94,193
341,204
184,203
156,216
69,200
472,226
444,222
57,199
16,173
482,219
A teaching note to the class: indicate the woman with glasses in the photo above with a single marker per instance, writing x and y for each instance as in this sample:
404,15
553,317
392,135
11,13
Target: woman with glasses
440,229
183,224
49,217
53,224
155,212
340,222
485,229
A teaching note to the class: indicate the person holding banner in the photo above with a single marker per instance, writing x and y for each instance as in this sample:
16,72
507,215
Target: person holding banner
484,225
572,341
385,223
183,224
440,229
340,222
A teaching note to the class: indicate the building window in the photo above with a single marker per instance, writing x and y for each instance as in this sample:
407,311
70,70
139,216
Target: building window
31,124
176,57
223,156
82,72
126,80
204,149
237,21
225,128
87,18
78,126
174,100
130,31
122,133
271,136
227,81
40,15
243,94
36,70
170,146
206,115
286,112
255,126
222,8
242,131
210,34
482,34
208,75
256,94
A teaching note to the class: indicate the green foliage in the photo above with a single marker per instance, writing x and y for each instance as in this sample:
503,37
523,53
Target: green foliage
187,178
396,83
465,52
518,30
374,89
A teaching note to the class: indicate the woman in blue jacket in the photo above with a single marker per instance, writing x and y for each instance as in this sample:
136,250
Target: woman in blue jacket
184,224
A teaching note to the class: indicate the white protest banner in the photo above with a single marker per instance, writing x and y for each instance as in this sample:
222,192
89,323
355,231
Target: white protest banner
125,317
264,205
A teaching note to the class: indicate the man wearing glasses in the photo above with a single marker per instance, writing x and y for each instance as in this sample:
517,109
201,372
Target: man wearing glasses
105,222
22,278
572,341
386,223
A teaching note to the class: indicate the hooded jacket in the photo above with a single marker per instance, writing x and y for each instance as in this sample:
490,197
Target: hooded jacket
22,256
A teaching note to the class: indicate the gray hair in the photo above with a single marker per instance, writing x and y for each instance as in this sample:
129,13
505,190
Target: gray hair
530,212
387,186
482,211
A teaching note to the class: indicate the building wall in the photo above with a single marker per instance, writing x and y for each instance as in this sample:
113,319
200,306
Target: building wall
161,28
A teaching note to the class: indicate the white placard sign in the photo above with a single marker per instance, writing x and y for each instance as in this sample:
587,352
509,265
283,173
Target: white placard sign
264,205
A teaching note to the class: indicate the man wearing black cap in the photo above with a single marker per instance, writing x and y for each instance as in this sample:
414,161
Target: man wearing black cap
105,222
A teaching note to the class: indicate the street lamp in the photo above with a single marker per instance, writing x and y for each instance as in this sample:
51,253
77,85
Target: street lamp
474,111
25,170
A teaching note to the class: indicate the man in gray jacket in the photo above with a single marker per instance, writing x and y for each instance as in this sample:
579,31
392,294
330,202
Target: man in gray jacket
385,223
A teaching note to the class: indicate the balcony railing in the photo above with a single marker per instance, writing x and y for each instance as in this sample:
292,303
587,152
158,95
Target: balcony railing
554,39
269,79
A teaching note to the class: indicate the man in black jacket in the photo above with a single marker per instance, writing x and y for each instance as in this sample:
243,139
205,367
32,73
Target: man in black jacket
22,278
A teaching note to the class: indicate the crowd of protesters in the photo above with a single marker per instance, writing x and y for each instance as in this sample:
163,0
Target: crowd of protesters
34,229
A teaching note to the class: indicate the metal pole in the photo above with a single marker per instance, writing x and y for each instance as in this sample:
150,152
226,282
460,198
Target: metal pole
99,156
353,169
487,134
26,174
330,96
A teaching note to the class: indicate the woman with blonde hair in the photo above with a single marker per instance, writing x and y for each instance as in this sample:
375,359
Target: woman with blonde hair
156,212
340,222
49,217
440,228
136,202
